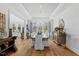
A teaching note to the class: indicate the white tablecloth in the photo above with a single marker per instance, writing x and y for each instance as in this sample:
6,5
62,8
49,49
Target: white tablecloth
39,42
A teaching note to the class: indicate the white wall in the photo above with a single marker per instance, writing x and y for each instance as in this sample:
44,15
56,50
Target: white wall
42,21
15,20
5,11
71,18
10,13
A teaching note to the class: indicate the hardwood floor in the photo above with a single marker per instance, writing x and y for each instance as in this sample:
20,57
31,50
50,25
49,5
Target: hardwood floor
24,49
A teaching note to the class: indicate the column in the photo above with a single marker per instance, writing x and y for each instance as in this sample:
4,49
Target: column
25,29
7,22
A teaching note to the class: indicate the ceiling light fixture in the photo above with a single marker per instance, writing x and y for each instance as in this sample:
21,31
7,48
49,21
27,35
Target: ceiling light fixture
41,6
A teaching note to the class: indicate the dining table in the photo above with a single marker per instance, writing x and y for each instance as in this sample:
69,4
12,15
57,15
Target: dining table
44,40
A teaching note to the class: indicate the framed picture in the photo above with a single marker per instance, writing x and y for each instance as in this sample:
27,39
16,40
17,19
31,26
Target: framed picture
2,23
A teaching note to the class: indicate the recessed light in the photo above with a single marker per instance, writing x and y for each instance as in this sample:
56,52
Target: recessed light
41,6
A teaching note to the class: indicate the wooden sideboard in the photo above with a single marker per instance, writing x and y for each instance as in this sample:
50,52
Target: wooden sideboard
6,43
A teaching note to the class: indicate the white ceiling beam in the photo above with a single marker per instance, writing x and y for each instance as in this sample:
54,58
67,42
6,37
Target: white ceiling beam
17,9
27,13
21,11
56,10
61,7
12,10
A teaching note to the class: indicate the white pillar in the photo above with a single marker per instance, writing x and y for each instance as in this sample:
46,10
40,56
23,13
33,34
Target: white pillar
25,29
7,22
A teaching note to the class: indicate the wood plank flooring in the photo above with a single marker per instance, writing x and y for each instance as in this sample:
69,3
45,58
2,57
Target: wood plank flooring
24,49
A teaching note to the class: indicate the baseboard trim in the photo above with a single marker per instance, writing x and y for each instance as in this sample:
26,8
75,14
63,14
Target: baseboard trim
73,50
